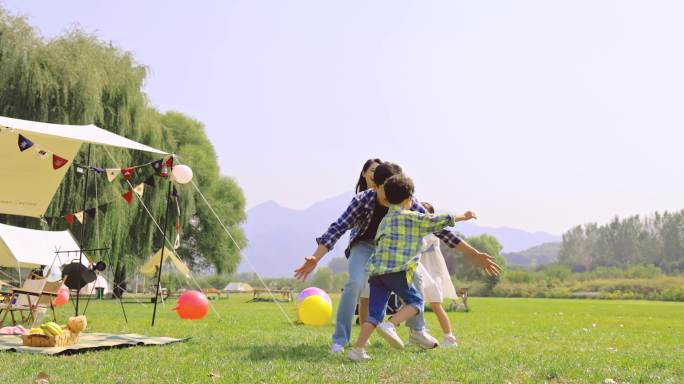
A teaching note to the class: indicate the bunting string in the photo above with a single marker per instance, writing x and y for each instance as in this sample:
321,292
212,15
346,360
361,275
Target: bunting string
26,144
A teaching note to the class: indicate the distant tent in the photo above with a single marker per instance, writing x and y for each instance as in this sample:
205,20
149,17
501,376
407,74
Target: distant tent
238,287
152,264
100,282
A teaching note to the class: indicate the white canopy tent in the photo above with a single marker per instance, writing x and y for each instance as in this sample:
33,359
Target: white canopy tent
100,282
31,248
29,180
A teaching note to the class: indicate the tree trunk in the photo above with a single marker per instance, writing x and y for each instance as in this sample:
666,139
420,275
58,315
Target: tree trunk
119,281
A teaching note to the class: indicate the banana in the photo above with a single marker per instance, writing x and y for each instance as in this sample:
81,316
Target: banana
52,329
36,331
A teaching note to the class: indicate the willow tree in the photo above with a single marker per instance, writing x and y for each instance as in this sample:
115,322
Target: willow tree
78,79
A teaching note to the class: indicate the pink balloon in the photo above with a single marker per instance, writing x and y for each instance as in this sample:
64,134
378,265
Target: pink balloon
62,297
313,291
192,305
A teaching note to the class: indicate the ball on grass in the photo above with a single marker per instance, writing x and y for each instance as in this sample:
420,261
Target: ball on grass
192,305
315,310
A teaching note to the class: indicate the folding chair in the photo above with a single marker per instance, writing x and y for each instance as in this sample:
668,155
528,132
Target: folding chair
21,300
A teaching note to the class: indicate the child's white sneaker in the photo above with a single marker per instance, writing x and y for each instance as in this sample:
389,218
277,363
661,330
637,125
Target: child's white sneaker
389,333
336,348
423,339
358,354
449,341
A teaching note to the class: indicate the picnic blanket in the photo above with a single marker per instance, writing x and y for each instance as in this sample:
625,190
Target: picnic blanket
88,342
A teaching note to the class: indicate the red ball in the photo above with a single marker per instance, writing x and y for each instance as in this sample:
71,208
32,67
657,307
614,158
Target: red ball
62,297
192,305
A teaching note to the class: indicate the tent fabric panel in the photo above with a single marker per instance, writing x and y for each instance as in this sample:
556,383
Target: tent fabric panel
80,133
32,247
149,268
28,181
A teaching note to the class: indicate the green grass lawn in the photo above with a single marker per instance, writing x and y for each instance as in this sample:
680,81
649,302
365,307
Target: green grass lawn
502,340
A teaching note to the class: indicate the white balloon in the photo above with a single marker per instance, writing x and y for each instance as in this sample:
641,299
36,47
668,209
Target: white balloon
182,174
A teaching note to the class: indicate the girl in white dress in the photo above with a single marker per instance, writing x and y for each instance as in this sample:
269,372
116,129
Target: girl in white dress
437,284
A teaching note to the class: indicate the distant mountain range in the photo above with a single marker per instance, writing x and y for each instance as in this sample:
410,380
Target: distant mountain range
280,237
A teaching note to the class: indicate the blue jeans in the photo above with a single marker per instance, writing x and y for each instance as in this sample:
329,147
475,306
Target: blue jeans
360,253
382,286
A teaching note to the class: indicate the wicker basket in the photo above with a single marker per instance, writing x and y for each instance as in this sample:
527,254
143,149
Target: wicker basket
37,340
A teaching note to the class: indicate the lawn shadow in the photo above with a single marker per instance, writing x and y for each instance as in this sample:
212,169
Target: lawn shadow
300,352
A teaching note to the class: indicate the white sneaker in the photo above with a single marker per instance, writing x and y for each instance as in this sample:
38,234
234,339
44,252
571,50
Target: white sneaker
389,333
423,339
336,348
358,354
449,341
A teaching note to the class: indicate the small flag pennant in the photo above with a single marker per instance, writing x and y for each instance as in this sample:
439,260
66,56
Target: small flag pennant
49,220
91,212
99,170
127,172
169,162
128,196
42,153
112,174
157,165
176,244
79,216
58,162
69,219
80,170
174,192
139,189
24,143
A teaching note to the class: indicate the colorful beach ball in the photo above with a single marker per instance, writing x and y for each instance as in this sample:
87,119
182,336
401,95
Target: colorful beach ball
315,310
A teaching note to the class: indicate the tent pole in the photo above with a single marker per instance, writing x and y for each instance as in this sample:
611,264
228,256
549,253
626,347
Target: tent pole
80,246
161,259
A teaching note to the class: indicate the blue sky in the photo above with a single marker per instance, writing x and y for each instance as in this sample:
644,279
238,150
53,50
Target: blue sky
537,114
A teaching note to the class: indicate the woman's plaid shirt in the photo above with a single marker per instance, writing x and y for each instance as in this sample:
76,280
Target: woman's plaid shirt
400,238
358,215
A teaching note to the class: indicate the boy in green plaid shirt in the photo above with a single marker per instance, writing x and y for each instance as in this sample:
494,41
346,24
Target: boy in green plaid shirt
397,249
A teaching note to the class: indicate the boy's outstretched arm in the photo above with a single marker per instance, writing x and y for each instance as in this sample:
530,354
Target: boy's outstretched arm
481,259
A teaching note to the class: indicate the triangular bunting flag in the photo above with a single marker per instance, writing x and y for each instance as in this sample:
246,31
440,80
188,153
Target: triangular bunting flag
58,162
157,165
176,244
169,162
69,219
42,154
150,181
48,220
127,172
99,170
91,212
174,192
112,174
24,143
79,216
139,189
128,196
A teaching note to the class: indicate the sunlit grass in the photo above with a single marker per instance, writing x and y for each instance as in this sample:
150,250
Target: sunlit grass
502,340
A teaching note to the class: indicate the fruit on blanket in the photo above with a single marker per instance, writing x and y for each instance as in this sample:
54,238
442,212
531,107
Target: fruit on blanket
52,329
77,324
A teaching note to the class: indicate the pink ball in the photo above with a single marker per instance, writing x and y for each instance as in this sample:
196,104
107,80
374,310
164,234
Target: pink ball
192,305
62,297
311,291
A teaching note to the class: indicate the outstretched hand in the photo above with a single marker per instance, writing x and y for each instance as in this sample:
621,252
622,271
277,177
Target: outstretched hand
487,262
469,215
309,265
